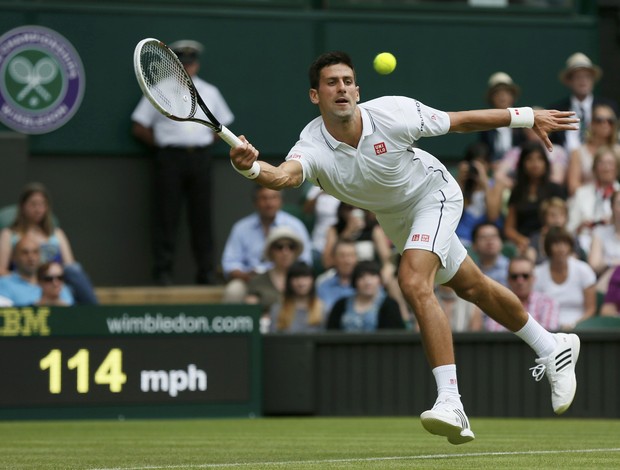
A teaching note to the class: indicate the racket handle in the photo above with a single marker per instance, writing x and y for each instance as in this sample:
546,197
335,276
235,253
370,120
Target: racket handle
230,138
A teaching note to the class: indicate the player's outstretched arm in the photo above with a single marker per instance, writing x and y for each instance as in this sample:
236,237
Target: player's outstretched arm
543,121
245,160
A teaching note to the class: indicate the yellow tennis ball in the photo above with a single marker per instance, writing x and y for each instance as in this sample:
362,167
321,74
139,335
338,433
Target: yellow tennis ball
384,63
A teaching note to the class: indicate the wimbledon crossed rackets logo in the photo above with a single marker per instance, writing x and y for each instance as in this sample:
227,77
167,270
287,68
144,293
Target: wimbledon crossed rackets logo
41,80
33,77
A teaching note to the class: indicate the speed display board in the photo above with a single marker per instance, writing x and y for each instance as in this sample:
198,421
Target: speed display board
130,361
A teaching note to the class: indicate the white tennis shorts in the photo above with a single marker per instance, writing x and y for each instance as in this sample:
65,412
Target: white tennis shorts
430,225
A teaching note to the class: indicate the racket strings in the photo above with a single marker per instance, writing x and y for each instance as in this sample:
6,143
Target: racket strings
167,81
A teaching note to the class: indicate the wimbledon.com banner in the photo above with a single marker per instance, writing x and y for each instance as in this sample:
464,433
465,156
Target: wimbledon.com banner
179,324
130,320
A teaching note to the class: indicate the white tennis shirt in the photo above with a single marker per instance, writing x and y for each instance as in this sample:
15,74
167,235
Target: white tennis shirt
385,173
167,132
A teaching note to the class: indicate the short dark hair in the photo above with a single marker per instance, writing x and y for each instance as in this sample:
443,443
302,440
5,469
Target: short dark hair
364,267
558,235
480,225
325,60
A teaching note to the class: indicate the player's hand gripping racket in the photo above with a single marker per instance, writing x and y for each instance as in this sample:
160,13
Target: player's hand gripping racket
169,88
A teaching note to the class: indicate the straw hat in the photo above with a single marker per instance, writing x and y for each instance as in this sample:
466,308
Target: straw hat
187,50
283,233
580,61
501,80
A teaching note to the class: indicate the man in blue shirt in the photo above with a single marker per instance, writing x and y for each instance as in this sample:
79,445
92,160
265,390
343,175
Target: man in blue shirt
243,255
21,285
487,246
336,283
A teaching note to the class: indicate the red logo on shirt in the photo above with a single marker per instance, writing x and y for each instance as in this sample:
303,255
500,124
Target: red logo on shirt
380,148
295,156
434,117
417,237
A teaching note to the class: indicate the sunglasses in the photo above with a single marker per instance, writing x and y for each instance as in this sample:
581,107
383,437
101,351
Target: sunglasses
58,277
515,276
599,120
282,246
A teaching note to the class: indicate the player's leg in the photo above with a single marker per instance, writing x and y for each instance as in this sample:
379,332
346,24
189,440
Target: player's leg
427,251
558,353
417,277
494,299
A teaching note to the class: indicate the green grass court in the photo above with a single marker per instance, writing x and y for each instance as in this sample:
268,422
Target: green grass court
306,443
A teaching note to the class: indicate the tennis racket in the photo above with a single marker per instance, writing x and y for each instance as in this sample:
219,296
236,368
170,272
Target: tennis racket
169,88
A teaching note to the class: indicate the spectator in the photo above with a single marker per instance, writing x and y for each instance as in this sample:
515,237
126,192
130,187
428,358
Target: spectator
361,227
487,248
21,286
482,196
243,255
282,248
369,309
554,213
567,279
502,93
324,207
604,254
34,218
603,132
533,186
301,310
336,283
183,172
51,279
543,308
611,302
579,76
506,168
460,312
591,204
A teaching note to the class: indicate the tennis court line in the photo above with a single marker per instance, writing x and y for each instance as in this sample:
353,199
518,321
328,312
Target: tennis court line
370,459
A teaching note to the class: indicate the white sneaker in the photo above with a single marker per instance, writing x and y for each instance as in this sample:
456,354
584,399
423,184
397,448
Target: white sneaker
560,369
447,418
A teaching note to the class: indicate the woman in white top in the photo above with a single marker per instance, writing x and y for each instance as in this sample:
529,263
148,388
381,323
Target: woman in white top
565,278
603,131
591,204
605,249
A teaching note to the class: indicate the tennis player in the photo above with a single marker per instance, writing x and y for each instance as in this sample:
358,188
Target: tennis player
364,155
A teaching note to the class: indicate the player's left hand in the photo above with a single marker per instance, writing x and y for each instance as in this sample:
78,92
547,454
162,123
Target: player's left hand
549,120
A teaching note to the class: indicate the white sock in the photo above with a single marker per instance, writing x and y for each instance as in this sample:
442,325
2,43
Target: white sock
445,376
539,339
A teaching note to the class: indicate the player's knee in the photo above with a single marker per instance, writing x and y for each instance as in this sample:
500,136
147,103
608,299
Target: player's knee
416,289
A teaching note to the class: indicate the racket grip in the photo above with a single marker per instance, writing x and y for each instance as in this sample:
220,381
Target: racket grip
230,138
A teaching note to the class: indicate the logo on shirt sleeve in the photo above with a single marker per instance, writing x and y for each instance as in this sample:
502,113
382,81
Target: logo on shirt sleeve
294,156
380,148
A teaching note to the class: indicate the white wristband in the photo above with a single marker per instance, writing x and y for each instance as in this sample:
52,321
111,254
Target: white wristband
521,117
250,174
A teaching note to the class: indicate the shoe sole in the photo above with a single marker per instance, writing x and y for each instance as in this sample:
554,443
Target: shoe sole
455,434
576,352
